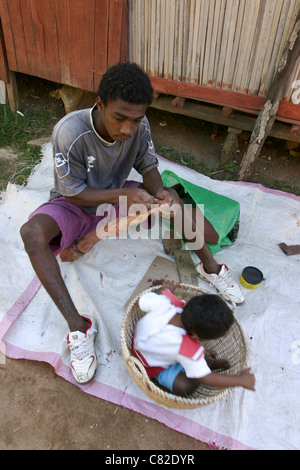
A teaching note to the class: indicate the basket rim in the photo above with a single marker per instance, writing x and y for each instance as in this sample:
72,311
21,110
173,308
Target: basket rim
142,376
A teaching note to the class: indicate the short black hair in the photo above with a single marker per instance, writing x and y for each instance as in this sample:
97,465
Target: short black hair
126,81
208,316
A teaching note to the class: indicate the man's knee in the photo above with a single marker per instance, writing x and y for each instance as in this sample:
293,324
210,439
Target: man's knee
37,232
32,236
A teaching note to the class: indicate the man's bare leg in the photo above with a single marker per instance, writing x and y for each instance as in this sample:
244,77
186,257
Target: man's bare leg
204,231
36,235
193,227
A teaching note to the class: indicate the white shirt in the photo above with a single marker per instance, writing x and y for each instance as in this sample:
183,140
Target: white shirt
162,344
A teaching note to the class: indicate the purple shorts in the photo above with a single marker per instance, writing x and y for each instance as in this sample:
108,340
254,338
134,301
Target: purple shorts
74,222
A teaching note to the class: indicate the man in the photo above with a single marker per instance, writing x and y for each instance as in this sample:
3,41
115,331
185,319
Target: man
94,152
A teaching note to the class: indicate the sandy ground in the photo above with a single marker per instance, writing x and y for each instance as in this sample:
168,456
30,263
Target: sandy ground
39,410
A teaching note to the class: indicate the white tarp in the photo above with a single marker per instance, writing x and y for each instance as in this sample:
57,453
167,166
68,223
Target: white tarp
100,283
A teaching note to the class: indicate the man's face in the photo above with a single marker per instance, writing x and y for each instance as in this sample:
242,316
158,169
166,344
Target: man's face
119,119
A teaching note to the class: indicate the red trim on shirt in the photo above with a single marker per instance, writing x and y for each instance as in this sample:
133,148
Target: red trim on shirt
189,347
174,300
152,371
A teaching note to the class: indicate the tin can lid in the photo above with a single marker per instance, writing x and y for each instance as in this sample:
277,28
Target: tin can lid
252,275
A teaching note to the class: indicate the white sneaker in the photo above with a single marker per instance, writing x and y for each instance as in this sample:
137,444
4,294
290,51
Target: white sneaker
83,357
223,282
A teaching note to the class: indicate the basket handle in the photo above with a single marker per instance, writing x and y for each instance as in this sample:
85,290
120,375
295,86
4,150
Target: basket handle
141,368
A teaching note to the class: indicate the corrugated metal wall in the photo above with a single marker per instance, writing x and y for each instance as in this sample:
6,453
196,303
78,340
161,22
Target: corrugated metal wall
226,44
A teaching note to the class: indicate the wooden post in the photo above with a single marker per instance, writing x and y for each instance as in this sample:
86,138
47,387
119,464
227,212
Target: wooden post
289,61
230,146
12,92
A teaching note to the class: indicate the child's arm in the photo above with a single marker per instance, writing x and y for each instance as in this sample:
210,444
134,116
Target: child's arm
171,285
245,379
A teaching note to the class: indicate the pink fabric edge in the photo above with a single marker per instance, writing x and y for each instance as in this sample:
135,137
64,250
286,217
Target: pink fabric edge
113,395
19,306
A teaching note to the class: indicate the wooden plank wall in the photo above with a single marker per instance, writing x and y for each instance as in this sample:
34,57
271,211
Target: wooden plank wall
4,73
221,45
66,41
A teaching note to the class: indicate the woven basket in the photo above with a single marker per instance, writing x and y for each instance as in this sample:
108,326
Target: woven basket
232,346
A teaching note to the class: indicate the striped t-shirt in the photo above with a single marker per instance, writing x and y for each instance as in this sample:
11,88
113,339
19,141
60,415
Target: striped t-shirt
82,158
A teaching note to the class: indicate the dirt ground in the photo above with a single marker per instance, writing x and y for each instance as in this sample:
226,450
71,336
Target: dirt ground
42,411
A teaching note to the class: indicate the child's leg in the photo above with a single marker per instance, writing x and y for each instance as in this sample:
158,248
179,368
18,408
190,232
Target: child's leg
183,385
175,380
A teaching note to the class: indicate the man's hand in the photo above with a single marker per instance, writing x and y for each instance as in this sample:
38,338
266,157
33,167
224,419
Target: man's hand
152,182
170,203
140,196
167,197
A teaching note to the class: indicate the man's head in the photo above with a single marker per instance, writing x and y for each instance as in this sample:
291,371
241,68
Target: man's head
128,82
207,316
124,94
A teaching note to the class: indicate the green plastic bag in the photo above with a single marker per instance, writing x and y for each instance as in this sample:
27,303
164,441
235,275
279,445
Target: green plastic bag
222,212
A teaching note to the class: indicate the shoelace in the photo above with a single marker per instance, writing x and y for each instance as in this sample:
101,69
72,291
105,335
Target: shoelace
79,350
226,278
79,347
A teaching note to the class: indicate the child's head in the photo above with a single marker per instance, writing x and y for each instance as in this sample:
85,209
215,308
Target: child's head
208,316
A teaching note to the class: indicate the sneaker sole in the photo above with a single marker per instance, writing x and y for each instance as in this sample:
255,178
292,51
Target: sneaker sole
202,277
88,381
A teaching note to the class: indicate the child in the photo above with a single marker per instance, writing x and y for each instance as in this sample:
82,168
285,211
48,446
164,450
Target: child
166,341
